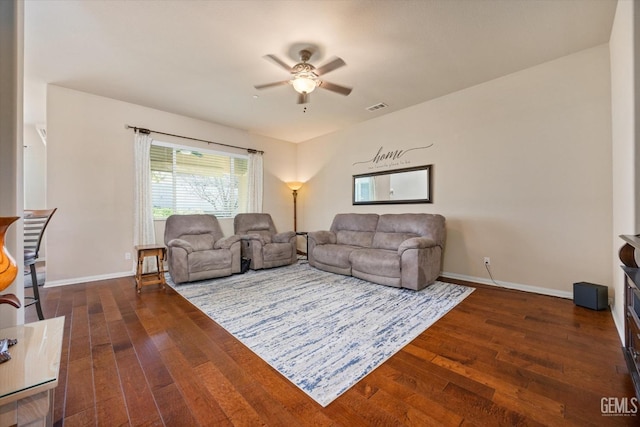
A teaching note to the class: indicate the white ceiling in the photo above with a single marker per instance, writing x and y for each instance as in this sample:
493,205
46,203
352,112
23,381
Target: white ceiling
201,58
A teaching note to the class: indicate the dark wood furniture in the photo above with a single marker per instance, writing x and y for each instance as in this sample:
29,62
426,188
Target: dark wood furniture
631,347
152,278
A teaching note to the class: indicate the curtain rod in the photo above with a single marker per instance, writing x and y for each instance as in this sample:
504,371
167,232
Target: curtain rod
148,131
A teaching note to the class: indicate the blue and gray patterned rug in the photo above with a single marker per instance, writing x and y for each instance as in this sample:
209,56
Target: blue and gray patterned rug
322,331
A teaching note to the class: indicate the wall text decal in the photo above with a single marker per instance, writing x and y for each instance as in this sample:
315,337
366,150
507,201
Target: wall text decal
390,158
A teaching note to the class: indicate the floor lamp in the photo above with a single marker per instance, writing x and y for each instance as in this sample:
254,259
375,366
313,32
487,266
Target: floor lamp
295,186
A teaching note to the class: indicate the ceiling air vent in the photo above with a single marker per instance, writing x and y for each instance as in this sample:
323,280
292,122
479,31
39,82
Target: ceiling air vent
377,107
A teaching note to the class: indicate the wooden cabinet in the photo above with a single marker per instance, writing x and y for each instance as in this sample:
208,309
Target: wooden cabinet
631,347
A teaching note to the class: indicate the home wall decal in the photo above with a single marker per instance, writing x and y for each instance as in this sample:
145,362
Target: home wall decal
390,158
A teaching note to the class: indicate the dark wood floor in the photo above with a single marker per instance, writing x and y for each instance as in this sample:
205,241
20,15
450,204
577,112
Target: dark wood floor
501,357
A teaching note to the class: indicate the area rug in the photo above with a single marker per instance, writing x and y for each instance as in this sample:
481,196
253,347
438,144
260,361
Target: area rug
322,331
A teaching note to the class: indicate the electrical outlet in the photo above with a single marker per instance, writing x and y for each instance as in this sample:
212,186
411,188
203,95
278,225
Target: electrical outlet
127,256
487,260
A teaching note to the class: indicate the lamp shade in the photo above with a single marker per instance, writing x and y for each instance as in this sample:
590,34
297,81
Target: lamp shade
304,83
294,185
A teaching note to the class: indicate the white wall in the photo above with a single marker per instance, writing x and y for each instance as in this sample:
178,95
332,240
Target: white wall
90,179
626,156
35,169
522,172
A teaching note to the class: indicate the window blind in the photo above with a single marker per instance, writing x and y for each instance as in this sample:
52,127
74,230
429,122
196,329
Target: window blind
186,181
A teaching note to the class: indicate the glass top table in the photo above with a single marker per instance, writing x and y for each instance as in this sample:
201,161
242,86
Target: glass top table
35,359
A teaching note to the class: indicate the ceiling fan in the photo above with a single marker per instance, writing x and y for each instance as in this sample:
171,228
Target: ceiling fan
305,77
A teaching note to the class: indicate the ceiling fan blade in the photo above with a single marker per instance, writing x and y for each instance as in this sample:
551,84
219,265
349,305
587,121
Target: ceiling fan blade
342,90
268,85
330,66
278,61
303,98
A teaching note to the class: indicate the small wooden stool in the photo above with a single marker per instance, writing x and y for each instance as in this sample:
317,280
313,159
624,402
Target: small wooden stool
155,278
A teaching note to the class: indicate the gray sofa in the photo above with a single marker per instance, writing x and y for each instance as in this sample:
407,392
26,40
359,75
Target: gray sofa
197,249
262,244
401,250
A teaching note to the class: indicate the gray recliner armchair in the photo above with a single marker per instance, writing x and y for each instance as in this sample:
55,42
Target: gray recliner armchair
197,249
262,243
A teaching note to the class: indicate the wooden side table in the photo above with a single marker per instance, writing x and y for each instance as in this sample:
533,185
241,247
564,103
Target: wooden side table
154,278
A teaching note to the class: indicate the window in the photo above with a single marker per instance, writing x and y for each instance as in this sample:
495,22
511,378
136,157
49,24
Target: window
364,188
186,181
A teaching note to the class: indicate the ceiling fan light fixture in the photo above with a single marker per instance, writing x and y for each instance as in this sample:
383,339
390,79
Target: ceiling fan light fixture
305,78
305,82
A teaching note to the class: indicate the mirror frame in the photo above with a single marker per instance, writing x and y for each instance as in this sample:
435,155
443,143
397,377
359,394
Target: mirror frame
428,199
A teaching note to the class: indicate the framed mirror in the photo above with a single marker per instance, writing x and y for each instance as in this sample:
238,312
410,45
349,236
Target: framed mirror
409,185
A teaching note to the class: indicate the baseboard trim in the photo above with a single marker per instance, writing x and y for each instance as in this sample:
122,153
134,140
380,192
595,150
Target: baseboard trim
509,285
481,280
76,280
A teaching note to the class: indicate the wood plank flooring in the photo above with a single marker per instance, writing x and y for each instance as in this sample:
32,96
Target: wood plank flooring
501,357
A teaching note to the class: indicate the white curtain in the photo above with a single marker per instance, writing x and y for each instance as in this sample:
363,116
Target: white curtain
144,233
255,183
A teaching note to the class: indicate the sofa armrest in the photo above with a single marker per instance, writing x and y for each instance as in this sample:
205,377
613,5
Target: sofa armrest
226,242
416,243
253,237
284,237
322,237
179,243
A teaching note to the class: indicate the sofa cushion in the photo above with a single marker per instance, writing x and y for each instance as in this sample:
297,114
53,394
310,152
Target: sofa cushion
390,241
335,255
199,242
354,238
265,235
418,224
180,225
354,222
277,251
354,229
253,223
209,260
376,262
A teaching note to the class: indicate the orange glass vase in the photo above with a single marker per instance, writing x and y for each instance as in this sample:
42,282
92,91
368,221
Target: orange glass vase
8,267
